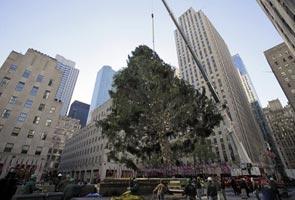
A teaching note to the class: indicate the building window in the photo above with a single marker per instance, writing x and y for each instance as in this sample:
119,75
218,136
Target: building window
39,78
48,122
4,81
25,149
28,103
20,86
31,133
50,83
38,151
43,136
46,94
15,131
22,117
26,74
8,147
5,113
41,107
12,100
52,110
34,91
12,68
36,120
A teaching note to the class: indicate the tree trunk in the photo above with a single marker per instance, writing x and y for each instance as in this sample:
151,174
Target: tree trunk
165,149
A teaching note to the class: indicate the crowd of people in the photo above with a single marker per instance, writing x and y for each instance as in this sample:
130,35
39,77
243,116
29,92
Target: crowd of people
214,188
65,184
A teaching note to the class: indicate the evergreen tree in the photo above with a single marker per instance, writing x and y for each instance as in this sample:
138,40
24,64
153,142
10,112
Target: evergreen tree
156,117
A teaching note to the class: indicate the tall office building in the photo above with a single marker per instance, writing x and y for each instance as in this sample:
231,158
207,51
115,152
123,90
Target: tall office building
103,83
79,110
282,63
252,97
282,14
29,110
68,82
282,123
217,63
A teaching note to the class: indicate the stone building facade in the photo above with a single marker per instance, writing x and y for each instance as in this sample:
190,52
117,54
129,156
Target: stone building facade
29,110
282,63
85,155
215,58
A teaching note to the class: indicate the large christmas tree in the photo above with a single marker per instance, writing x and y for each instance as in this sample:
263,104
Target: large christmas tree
156,117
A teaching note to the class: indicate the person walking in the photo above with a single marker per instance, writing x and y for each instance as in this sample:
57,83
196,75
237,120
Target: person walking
274,189
160,190
211,190
244,189
222,189
199,188
255,188
190,191
234,186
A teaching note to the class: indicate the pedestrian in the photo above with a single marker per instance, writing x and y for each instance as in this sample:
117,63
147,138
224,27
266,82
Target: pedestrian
160,190
274,189
211,190
222,189
30,186
190,191
133,185
244,189
57,181
234,186
218,187
199,188
71,190
8,185
255,188
63,183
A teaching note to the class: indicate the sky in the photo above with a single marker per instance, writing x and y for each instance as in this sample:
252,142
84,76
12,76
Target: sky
93,33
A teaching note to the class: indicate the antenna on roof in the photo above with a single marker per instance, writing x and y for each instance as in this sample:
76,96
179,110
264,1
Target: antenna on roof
153,25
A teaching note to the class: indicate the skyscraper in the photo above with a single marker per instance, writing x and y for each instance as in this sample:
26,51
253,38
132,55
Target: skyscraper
68,82
281,13
217,63
282,123
29,110
282,63
103,83
79,110
252,96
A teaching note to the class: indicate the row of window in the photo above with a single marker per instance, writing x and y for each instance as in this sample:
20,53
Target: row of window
16,131
22,116
26,74
20,86
25,148
28,104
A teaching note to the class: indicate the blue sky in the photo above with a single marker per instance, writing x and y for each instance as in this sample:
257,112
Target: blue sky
94,33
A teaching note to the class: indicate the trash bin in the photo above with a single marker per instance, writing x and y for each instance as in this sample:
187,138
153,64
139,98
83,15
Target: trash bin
267,194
